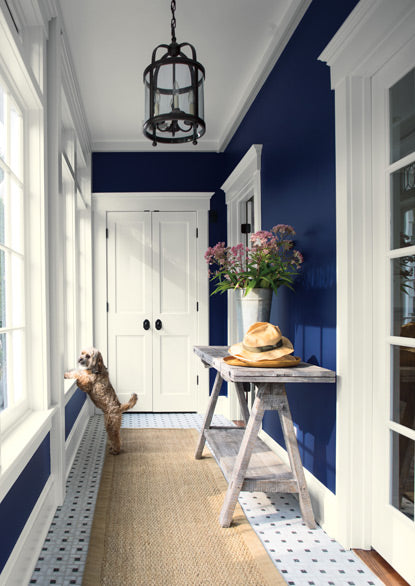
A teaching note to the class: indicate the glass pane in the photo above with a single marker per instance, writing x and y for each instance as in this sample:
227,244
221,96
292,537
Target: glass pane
3,295
17,350
3,372
2,123
15,236
402,117
17,288
403,271
403,474
403,207
403,382
16,137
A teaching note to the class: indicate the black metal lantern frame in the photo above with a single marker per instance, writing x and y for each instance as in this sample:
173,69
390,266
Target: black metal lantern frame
173,86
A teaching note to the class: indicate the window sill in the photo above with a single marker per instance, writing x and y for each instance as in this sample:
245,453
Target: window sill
19,445
69,388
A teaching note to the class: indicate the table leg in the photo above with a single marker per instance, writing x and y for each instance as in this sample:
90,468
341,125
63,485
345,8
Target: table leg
209,415
296,465
243,458
242,401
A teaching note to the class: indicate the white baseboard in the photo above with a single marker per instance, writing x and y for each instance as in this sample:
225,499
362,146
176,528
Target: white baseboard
324,502
74,438
21,563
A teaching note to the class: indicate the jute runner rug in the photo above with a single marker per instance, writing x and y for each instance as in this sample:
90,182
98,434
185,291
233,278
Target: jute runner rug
156,520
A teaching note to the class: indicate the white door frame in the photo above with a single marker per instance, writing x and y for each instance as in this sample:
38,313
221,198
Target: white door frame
198,202
242,184
373,33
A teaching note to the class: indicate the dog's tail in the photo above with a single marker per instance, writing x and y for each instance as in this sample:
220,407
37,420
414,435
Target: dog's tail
130,404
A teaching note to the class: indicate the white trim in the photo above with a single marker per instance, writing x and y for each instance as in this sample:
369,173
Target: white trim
322,499
163,201
102,203
75,436
243,183
141,145
20,565
373,33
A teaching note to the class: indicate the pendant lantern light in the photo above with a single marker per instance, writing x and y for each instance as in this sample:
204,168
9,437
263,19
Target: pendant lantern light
173,85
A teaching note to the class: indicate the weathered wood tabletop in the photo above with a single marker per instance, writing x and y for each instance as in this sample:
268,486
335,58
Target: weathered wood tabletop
246,461
302,373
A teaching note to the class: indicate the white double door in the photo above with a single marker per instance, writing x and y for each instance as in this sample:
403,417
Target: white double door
152,308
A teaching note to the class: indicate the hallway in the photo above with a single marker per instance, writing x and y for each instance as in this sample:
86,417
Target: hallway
304,557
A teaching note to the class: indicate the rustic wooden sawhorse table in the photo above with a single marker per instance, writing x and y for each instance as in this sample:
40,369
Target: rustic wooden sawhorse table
245,460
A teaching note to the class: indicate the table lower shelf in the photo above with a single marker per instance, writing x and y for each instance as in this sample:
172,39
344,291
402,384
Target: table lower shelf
266,471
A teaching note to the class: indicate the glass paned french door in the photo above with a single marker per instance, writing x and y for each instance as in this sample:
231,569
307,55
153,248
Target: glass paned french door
393,100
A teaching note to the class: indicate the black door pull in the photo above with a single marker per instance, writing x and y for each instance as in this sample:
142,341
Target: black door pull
158,324
146,324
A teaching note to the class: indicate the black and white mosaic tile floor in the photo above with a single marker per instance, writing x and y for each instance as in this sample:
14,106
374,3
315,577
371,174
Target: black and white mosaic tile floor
304,557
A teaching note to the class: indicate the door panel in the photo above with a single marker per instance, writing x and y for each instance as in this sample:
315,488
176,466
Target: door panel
129,304
174,287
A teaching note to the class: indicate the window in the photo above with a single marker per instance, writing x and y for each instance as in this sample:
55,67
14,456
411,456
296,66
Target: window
76,256
12,254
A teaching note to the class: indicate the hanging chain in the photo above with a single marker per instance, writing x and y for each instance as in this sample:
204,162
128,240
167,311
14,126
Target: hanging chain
173,21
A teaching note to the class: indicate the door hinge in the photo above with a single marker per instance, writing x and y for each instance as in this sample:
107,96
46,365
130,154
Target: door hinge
197,232
245,228
197,379
106,232
197,305
108,307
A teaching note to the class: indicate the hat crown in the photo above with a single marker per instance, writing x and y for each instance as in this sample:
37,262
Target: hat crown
262,334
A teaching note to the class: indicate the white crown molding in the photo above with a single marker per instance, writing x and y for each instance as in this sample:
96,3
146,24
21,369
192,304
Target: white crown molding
144,145
162,201
368,38
283,33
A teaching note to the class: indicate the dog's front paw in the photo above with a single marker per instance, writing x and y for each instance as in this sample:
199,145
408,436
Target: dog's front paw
114,452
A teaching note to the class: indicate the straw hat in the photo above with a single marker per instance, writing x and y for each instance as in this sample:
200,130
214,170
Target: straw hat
262,342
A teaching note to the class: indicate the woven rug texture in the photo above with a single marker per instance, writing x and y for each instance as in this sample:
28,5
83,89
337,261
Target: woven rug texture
156,520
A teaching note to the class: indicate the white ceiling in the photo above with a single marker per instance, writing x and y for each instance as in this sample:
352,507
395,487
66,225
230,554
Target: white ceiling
237,41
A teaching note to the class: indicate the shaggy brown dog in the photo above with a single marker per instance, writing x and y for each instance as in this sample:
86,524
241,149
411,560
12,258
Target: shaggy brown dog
92,378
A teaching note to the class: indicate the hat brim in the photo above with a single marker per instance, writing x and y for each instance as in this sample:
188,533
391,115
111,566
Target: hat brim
239,351
283,362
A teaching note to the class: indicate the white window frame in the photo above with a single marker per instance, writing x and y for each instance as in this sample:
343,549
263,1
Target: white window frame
27,96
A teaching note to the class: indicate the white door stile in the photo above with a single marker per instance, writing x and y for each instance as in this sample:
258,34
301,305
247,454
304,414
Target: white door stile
174,307
129,305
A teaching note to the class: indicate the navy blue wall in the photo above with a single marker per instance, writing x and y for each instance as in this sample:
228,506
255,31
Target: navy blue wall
72,409
158,171
293,118
18,503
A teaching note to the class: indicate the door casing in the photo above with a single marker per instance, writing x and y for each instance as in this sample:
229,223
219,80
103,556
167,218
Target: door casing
198,202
